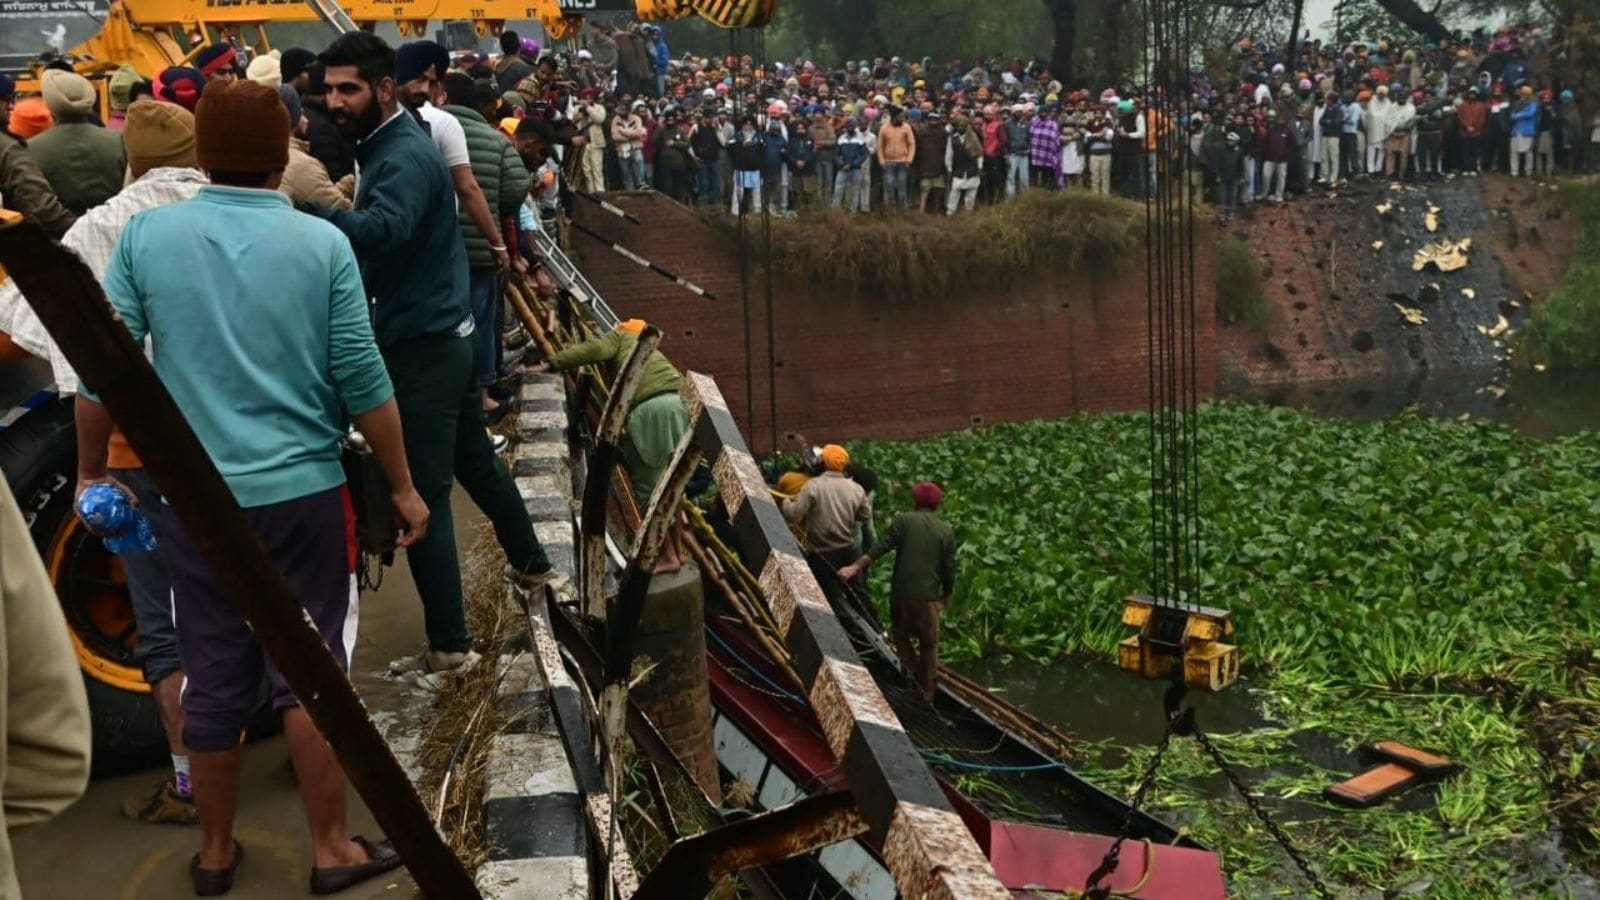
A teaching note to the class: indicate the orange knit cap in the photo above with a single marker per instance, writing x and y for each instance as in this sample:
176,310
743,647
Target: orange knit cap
632,326
835,457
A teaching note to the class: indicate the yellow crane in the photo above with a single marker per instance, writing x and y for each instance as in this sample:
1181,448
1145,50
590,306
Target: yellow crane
151,35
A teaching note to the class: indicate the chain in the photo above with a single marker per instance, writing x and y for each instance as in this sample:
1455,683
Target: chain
1113,856
1261,813
1181,721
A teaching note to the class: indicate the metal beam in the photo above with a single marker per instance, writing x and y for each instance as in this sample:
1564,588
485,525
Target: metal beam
925,843
692,866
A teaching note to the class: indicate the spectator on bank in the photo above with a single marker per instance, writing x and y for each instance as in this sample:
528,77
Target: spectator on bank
512,67
897,149
851,156
932,163
1524,129
963,156
1044,150
802,164
628,136
1277,148
1019,149
749,156
83,160
705,146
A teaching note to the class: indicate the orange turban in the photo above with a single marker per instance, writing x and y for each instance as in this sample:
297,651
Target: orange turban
632,326
835,457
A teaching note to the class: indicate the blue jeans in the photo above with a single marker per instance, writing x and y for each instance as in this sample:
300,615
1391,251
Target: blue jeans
825,176
149,586
709,176
894,184
1016,173
632,170
847,190
483,288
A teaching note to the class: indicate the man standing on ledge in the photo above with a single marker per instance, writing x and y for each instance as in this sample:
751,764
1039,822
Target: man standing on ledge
263,369
924,578
414,264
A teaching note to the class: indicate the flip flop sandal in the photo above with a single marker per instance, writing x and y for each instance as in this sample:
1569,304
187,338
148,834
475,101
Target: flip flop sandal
215,882
333,879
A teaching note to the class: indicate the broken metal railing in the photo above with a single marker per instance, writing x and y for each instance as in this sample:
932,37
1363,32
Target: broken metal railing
925,844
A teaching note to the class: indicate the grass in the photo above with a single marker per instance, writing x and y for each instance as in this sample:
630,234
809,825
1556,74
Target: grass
1565,330
1240,297
1427,582
469,698
916,258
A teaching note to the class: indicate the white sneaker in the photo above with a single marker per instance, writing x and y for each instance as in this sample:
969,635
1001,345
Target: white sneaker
498,441
530,582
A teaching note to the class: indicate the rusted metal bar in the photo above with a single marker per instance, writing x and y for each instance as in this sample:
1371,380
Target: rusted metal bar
518,292
692,866
602,461
72,306
736,600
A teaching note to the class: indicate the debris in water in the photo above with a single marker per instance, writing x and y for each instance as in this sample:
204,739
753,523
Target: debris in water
1412,315
1468,293
1446,256
1463,417
1539,367
1496,390
1383,208
1500,327
1377,245
1431,219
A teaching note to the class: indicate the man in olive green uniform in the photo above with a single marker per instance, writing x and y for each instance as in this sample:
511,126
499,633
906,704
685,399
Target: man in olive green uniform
924,578
656,421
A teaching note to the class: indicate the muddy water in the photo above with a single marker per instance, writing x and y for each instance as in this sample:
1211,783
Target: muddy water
92,851
1539,404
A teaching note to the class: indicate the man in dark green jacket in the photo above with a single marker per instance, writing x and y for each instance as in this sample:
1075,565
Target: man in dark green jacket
924,578
23,187
414,264
84,161
504,182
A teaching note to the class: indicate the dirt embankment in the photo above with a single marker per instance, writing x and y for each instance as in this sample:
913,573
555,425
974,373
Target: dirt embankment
1349,303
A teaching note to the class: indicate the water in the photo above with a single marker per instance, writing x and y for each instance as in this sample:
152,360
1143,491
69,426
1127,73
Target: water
1544,405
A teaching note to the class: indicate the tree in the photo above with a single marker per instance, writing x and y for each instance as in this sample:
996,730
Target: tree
1064,22
1417,19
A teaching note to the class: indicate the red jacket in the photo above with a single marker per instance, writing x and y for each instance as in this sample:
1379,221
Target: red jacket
1472,116
1278,145
994,138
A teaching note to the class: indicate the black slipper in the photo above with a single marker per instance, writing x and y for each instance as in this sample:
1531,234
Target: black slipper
333,879
215,882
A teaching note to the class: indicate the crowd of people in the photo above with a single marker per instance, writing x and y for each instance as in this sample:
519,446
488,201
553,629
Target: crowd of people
919,134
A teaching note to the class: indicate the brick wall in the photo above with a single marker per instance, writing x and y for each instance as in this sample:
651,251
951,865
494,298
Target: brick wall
851,367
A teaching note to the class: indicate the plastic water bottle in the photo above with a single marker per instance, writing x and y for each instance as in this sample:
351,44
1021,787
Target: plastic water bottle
107,510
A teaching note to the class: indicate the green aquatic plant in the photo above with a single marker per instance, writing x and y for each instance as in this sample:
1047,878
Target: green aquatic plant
1407,579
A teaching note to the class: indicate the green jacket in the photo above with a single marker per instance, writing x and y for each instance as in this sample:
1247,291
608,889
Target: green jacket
500,174
85,163
404,232
24,188
611,350
925,556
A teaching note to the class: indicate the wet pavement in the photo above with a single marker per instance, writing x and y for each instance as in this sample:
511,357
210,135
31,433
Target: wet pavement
92,851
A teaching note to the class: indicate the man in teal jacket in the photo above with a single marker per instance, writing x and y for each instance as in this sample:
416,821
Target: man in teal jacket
404,230
260,333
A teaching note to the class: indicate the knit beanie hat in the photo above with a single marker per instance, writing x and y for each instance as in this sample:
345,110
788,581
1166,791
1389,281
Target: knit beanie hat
158,134
122,82
265,70
215,58
180,86
67,93
30,118
241,127
294,61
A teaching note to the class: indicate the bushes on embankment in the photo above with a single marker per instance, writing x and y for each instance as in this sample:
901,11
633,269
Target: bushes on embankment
919,257
1565,331
1241,299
